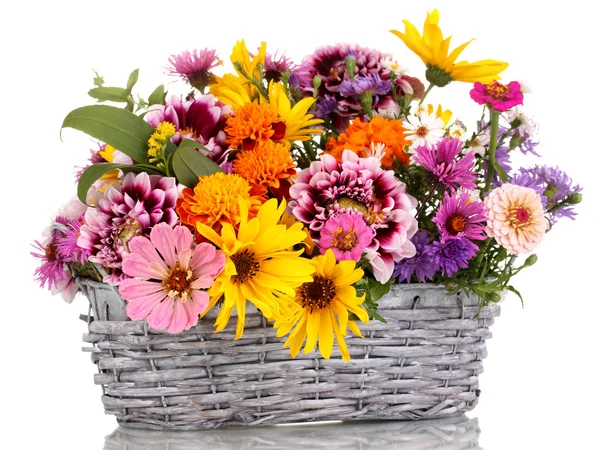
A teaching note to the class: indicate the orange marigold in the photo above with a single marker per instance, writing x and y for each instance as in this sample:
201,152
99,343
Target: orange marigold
215,201
269,165
254,124
360,136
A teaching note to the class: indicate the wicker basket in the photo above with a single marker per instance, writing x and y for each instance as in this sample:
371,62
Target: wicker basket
423,363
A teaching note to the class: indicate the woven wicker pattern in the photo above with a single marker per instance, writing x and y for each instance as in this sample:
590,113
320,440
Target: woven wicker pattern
423,363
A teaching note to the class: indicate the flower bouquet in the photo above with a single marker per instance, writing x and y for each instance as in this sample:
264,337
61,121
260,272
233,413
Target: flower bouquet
297,241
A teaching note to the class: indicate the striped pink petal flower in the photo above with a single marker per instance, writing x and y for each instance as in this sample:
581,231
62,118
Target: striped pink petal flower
515,218
170,275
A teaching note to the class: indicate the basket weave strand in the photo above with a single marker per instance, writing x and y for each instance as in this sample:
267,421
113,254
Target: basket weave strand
423,363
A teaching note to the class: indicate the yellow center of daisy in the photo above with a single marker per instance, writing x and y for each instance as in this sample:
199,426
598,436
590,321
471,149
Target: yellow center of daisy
345,240
246,266
317,294
455,224
349,203
519,216
178,282
422,131
497,91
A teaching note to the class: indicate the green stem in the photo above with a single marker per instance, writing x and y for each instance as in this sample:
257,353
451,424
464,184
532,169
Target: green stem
429,88
494,116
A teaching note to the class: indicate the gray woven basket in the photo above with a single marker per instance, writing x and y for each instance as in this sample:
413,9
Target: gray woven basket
423,363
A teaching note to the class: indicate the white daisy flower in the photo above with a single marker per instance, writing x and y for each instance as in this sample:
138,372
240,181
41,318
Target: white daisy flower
478,144
393,66
377,150
457,131
527,124
424,129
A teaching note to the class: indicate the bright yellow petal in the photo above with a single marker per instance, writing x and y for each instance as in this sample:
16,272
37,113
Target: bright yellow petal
339,336
313,326
354,328
241,312
326,335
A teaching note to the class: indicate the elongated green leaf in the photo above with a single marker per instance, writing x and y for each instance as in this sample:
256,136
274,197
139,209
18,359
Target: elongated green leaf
133,77
109,94
189,164
158,96
117,127
91,175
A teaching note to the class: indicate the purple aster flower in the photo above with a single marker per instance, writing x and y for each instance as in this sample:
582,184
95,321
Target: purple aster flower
459,217
421,265
453,254
202,119
441,161
371,83
325,106
194,66
520,139
123,212
554,186
276,65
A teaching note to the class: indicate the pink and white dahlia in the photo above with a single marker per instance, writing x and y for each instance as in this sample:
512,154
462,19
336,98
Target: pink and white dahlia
123,212
201,119
328,189
515,218
169,277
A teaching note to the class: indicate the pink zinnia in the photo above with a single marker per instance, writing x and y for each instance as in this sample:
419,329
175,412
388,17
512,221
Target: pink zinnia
441,161
347,235
498,96
459,217
194,66
169,278
515,218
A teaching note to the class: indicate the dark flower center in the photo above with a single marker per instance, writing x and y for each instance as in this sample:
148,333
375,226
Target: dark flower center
50,252
519,217
318,294
246,266
345,240
178,282
497,91
456,224
422,131
523,215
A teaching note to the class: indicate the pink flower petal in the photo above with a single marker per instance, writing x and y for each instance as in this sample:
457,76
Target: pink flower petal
207,260
135,265
162,238
199,303
161,316
179,321
183,238
139,308
144,247
132,288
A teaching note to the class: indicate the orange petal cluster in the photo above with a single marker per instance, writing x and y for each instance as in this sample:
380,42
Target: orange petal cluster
252,125
359,136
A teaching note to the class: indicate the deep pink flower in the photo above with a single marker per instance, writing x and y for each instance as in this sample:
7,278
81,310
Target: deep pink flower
169,277
441,161
347,235
328,189
194,66
498,96
123,212
202,119
459,217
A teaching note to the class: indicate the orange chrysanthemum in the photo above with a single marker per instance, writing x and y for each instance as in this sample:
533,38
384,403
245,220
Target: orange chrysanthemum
214,201
253,124
360,137
269,165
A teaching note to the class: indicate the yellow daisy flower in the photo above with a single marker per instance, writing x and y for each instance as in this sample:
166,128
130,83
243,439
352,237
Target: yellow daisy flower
432,48
330,294
259,266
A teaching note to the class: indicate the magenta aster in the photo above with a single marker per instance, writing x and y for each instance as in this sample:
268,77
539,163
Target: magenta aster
66,242
202,119
498,96
347,235
169,277
441,161
328,189
194,66
123,212
459,217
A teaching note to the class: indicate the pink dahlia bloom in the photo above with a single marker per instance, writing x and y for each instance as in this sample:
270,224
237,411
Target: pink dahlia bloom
169,278
123,212
194,66
459,217
441,161
328,189
515,218
202,119
347,235
330,64
498,96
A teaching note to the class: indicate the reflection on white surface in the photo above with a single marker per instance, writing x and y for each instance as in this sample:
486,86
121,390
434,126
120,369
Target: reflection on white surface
455,433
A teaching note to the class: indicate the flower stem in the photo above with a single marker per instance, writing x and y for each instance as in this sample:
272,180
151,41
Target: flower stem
429,88
494,116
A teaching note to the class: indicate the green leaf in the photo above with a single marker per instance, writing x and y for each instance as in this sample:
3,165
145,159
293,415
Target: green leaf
91,175
378,290
189,163
158,96
115,126
109,94
512,289
133,77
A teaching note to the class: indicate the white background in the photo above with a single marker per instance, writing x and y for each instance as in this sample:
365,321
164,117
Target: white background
540,386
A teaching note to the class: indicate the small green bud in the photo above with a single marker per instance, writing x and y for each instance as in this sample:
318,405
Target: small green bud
317,80
530,261
451,286
573,199
350,65
515,141
493,297
366,101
